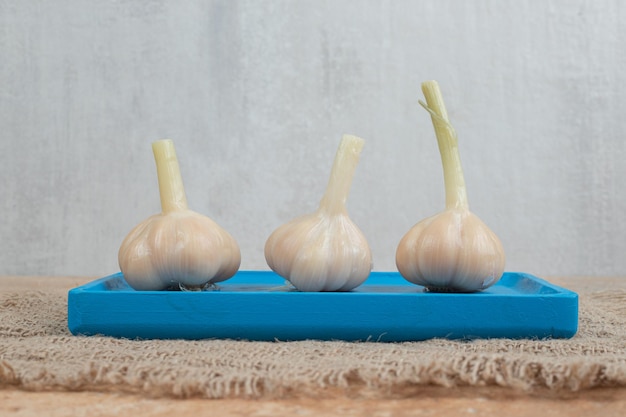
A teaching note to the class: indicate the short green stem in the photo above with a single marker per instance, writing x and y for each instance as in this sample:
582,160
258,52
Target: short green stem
171,187
346,160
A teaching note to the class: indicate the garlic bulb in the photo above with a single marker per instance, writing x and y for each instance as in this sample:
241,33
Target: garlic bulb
178,246
453,251
325,250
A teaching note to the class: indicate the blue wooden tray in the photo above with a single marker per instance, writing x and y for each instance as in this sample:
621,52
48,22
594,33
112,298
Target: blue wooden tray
255,305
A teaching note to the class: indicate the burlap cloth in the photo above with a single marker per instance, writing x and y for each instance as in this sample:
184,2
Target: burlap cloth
38,353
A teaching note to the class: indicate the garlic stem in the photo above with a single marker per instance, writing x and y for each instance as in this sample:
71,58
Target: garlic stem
334,200
454,181
171,187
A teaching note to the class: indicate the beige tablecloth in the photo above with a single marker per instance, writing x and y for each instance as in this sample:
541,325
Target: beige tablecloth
38,353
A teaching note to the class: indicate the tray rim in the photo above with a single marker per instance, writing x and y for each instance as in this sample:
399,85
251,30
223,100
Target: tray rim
557,291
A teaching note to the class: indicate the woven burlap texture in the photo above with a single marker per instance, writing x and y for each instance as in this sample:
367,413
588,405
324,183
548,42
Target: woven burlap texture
38,353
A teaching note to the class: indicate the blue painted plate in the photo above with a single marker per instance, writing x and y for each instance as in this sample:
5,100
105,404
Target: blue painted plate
256,305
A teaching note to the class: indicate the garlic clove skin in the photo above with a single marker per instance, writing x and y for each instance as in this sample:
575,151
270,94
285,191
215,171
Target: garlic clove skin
182,247
453,251
316,252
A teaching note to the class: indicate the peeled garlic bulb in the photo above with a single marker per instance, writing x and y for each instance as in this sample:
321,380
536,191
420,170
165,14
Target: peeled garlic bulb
325,250
178,246
454,250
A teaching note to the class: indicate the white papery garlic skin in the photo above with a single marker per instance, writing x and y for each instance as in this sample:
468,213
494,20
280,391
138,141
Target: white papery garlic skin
178,246
453,251
325,250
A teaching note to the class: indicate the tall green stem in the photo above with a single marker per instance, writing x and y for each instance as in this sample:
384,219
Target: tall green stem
454,181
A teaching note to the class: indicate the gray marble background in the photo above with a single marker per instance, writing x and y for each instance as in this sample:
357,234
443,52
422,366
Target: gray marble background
256,95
